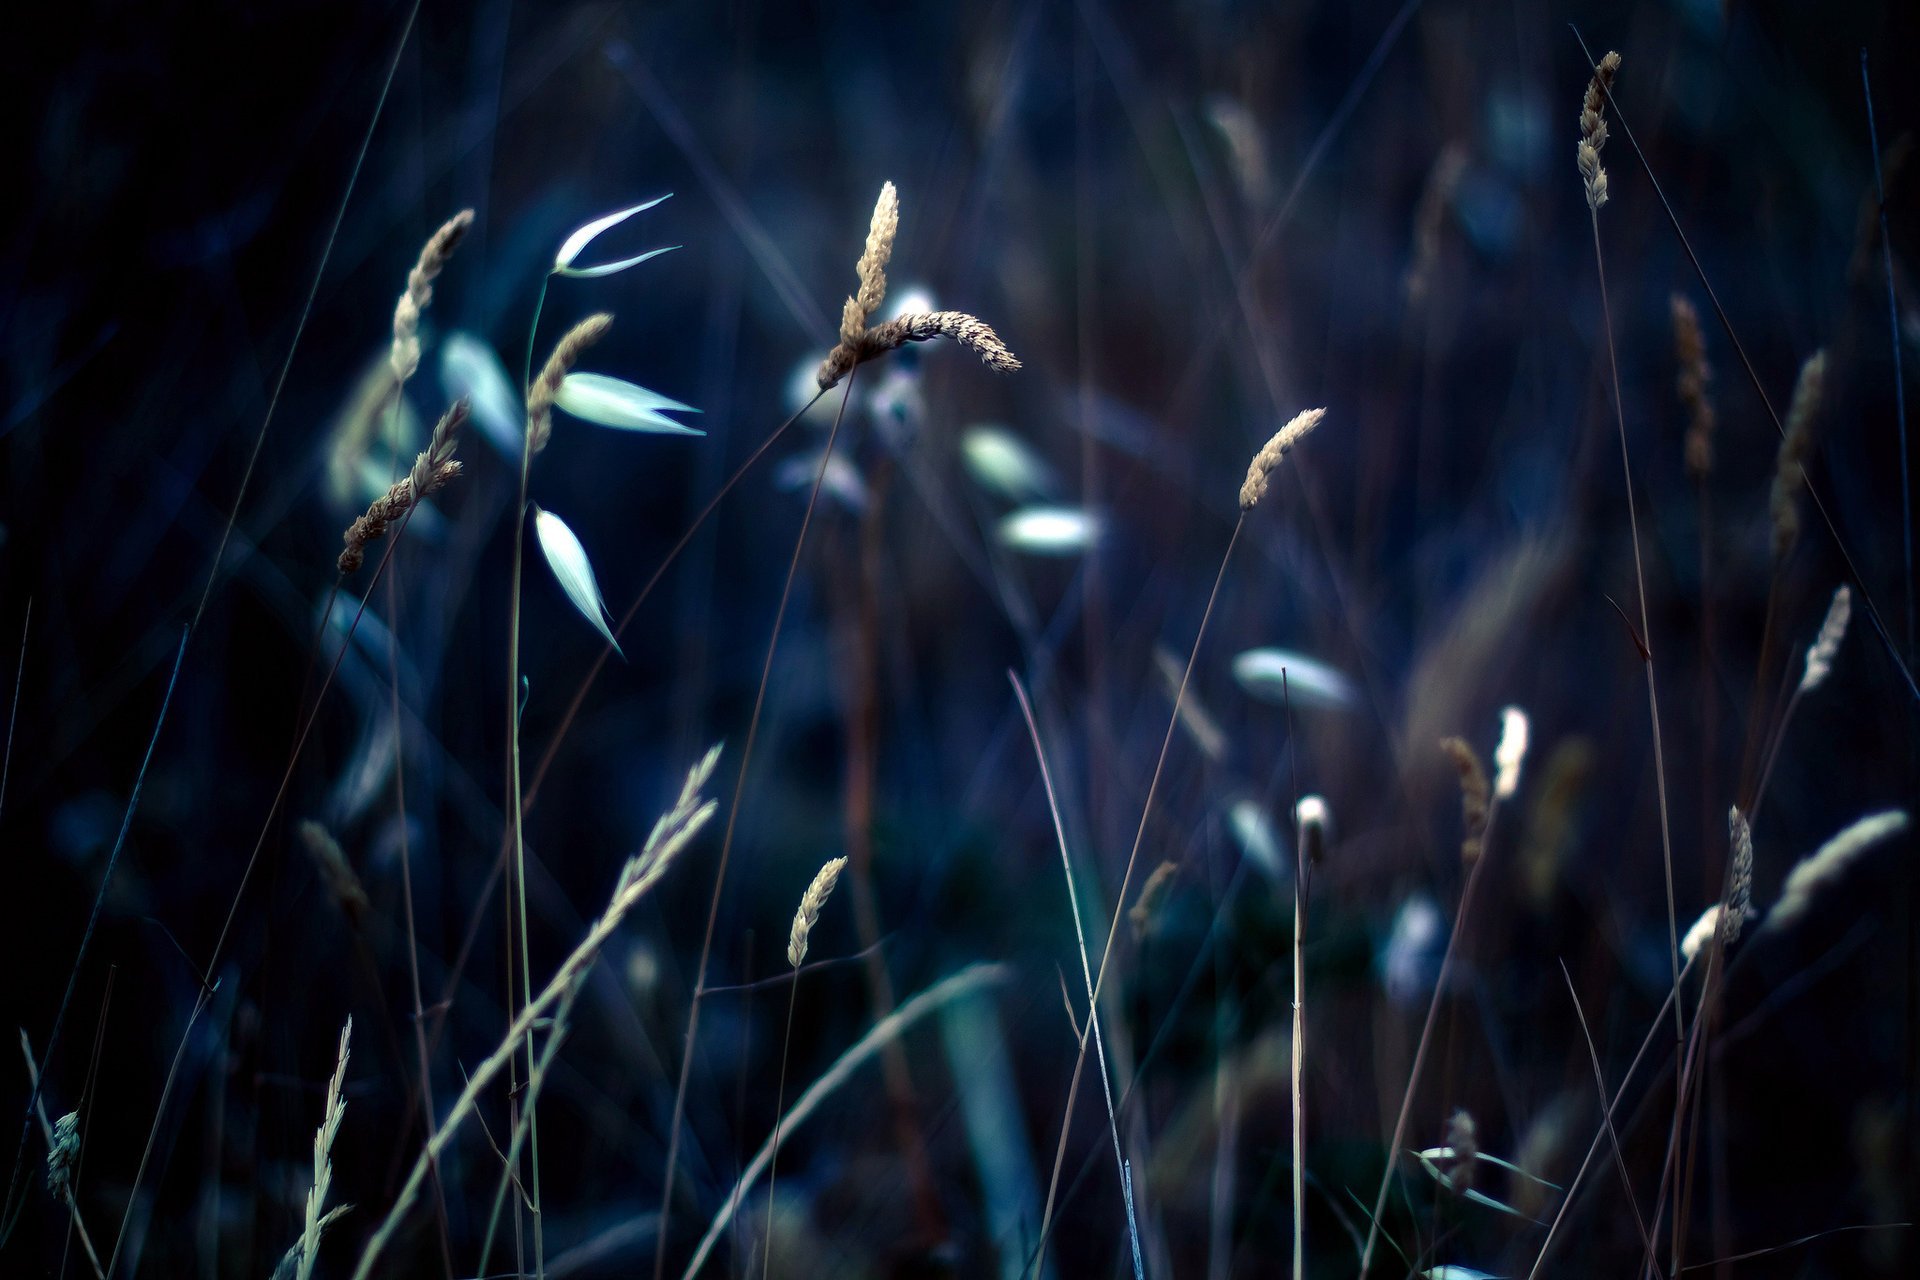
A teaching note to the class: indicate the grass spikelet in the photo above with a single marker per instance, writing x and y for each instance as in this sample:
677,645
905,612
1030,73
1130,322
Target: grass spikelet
1312,816
1814,874
63,1153
298,1262
1826,646
432,469
342,882
405,357
816,895
566,353
858,342
1475,801
1691,381
1153,895
1254,487
872,267
1789,472
1739,877
672,833
1593,130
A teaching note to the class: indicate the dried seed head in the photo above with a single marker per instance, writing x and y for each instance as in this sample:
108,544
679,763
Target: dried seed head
405,357
1153,894
1593,130
432,468
872,267
1796,445
858,342
1739,877
1254,487
1474,797
810,903
1692,380
566,353
1826,645
63,1155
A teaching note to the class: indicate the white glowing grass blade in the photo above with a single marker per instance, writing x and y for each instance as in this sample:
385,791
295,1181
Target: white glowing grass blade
568,560
1511,753
580,239
614,402
1051,531
1002,463
470,369
1307,682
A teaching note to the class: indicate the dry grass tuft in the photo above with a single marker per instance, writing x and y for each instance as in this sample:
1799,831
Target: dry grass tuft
1789,472
858,342
1254,487
1593,130
1475,797
1692,381
432,469
405,357
566,353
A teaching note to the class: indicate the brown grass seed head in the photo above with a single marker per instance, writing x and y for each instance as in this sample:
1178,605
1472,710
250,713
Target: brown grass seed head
1254,487
1796,445
432,468
1475,801
1691,381
566,353
405,357
1593,130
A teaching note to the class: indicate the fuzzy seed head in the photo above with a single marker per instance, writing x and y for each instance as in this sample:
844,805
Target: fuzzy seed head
1593,130
810,904
1475,806
1254,487
1821,653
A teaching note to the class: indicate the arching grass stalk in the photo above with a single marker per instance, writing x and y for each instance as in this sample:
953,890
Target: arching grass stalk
691,1045
1252,490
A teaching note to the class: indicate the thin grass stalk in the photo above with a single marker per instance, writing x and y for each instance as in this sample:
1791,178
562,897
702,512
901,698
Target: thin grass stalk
1813,495
205,995
1462,913
406,900
882,1033
1126,880
1606,1117
457,969
1646,634
726,843
1606,1126
65,1195
1297,1068
93,917
536,1078
1080,935
779,1101
1899,381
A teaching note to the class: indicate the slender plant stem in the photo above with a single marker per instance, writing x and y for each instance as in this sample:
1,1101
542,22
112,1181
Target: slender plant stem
1813,495
1080,935
779,1102
1460,917
1893,330
726,843
406,901
1126,879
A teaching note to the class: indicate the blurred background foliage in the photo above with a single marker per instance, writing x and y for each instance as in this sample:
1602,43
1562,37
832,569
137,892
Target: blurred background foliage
1190,221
